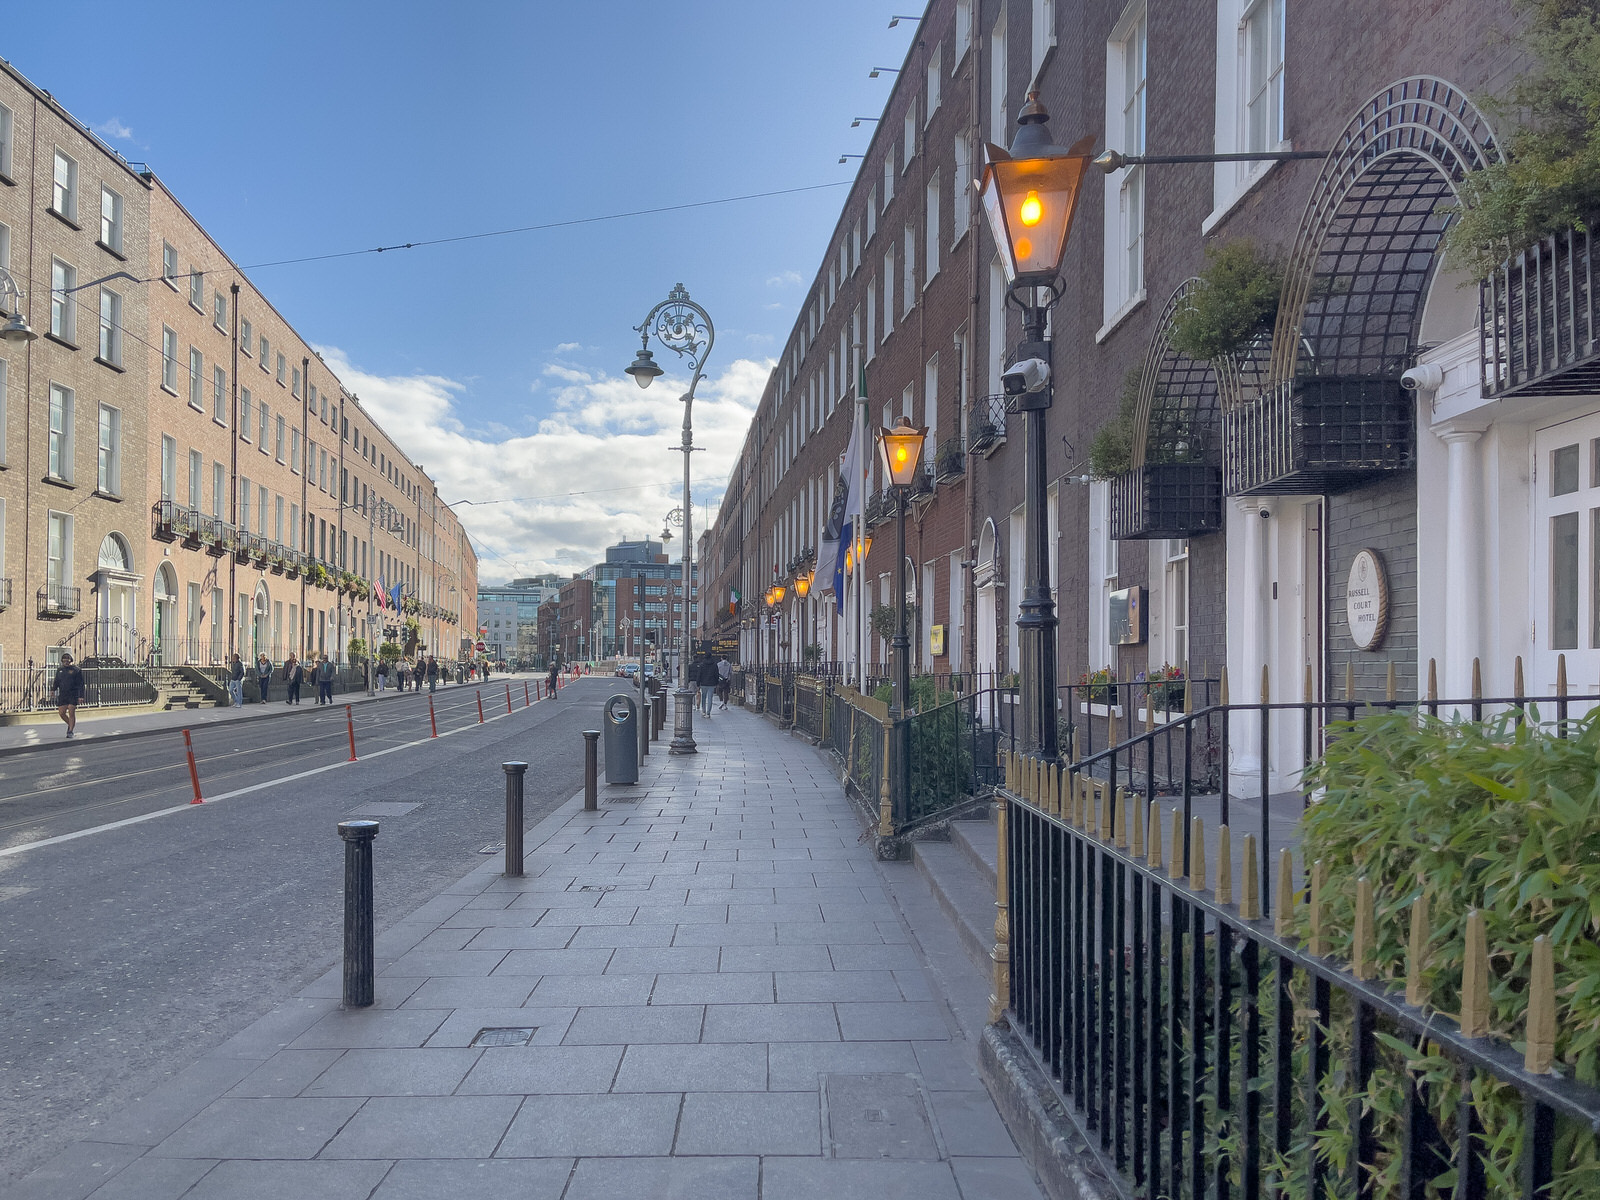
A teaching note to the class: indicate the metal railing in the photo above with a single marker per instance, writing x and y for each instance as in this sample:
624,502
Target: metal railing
986,424
28,688
58,600
1537,319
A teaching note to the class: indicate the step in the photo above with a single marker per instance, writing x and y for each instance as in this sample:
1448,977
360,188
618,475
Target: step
976,839
963,892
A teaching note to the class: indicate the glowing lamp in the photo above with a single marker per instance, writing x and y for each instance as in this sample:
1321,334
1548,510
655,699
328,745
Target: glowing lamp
902,452
1030,194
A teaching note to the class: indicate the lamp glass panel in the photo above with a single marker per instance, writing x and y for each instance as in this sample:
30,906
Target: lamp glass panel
1030,203
901,448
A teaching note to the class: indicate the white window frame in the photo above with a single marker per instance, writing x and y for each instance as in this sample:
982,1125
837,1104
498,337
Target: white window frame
219,395
169,360
58,463
63,314
219,490
197,376
1232,181
169,265
1044,35
908,137
1127,58
247,415
197,477
64,189
110,327
197,289
934,78
244,337
888,290
933,202
999,66
58,550
108,457
908,268
111,221
7,138
960,205
219,310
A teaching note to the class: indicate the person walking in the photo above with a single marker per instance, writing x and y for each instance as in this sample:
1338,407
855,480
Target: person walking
236,681
404,667
69,688
292,676
724,679
706,677
383,674
324,680
553,680
264,676
433,674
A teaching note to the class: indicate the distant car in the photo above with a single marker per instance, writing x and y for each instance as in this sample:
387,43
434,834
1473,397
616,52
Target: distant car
629,670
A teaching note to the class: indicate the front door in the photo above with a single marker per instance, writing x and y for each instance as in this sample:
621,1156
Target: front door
1566,537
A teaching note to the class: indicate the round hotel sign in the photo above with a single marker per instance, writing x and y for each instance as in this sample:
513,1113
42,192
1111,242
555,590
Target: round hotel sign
1366,600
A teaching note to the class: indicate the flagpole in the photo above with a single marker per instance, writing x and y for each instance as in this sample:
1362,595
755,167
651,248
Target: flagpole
859,527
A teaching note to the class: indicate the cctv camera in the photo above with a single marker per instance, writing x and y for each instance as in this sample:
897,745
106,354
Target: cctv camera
1424,378
1029,375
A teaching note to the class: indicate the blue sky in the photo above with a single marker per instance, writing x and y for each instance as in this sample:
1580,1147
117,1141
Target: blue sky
292,130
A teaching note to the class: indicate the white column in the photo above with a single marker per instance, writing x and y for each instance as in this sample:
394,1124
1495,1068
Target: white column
1255,644
1464,535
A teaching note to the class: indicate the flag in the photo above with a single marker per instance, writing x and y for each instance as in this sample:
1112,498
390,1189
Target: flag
383,593
846,506
394,594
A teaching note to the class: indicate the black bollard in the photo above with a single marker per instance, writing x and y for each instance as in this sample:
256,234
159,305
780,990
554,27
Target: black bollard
358,968
591,770
514,773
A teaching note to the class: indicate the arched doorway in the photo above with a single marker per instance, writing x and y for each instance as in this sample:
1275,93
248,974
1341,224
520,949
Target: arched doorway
165,634
261,622
988,583
116,602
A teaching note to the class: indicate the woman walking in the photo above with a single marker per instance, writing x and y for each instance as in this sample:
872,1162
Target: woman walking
264,676
292,675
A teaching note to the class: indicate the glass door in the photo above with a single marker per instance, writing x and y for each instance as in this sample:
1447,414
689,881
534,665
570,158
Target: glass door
1566,576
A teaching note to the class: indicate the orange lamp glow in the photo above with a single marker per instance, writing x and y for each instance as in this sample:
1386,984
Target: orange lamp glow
902,451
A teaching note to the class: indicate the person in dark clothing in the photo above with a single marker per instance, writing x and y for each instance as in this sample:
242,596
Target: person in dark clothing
264,676
69,687
706,679
293,675
236,681
324,680
553,680
433,674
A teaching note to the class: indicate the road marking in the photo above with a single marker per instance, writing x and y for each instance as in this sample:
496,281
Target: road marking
237,792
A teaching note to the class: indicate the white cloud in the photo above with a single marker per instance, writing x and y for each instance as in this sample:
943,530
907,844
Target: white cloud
786,279
599,464
568,347
113,128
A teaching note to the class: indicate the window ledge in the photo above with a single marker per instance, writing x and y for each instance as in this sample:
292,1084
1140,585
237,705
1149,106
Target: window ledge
219,421
1131,306
106,362
1244,188
103,495
197,308
168,390
7,180
64,219
170,282
60,341
197,407
111,250
222,329
57,481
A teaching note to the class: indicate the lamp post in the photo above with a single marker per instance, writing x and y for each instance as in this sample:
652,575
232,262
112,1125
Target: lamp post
685,328
902,459
1030,193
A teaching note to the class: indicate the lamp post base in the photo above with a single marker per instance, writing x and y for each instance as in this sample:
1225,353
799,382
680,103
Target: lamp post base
683,722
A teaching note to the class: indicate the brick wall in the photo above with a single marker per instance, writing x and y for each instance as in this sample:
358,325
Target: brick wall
1382,517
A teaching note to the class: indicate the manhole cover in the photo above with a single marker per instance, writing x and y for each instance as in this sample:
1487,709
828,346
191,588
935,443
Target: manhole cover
493,848
598,887
622,799
506,1036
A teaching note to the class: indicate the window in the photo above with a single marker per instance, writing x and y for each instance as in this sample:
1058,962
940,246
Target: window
1250,96
1175,601
110,220
5,251
266,353
908,136
219,309
277,440
930,407
1263,48
888,292
888,177
935,77
64,199
277,518
872,212
959,210
110,327
60,461
108,477
197,289
294,450
169,264
197,468
219,489
197,375
294,386
1044,33
963,27
294,527
4,382
998,66
261,431
244,337
169,462
281,364
63,317
169,360
931,230
58,555
247,421
7,134
908,290
1124,190
244,504
219,396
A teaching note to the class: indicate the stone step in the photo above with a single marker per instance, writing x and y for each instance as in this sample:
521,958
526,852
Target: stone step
976,839
963,891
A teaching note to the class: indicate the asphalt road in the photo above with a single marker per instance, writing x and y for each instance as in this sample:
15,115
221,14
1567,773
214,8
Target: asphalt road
127,953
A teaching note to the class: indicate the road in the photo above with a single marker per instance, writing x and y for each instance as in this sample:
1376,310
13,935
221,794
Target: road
127,952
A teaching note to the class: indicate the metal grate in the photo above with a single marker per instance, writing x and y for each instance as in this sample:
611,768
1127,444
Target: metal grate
1166,500
519,1035
1322,435
1537,321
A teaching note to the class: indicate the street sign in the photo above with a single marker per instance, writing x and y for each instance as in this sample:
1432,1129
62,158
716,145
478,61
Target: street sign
481,646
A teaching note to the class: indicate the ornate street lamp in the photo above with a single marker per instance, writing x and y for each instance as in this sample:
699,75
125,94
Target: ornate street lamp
902,459
685,328
15,330
1030,193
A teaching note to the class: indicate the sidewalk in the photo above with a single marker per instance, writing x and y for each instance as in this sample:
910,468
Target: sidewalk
702,991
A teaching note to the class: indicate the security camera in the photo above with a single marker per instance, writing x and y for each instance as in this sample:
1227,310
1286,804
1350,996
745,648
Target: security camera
1029,375
1424,378
1266,514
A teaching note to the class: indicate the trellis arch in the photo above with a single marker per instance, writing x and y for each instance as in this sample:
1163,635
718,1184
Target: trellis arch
1364,256
1178,415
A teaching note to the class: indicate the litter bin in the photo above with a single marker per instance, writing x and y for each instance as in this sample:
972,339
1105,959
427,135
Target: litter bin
622,739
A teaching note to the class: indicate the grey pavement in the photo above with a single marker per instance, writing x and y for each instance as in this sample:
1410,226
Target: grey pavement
705,989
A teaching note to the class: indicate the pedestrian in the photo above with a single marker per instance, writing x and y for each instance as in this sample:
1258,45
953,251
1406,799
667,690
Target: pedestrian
433,674
383,674
404,666
264,676
553,680
324,680
486,670
706,678
236,681
292,676
724,679
69,690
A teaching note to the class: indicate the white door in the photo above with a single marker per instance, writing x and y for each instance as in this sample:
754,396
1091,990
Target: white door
1566,537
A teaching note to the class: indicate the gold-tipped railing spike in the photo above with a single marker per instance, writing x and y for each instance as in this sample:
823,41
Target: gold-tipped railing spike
1153,816
1540,1054
1188,690
1005,770
1308,697
1285,912
1197,855
1057,782
1433,680
1349,680
1224,887
1250,895
1361,943
1516,679
1111,718
1319,909
1475,980
1149,710
1175,863
1477,679
1123,799
1266,684
1391,691
1136,820
1417,950
1561,676
1108,812
1222,685
1001,954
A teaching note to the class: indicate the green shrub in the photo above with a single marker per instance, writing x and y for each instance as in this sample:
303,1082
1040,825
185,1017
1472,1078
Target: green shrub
1235,300
1111,452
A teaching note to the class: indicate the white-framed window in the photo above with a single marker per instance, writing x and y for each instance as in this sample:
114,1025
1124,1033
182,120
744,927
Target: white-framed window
282,363
261,430
5,373
7,138
169,265
1126,56
219,309
294,451
247,406
888,291
963,31
110,327
5,250
261,508
278,439
244,337
908,288
930,406
1175,601
1262,35
935,76
266,353
908,136
872,214
64,196
219,395
294,382
872,319
63,312
960,209
932,197
59,464
197,376
197,470
58,553
998,67
219,489
277,519
888,177
108,467
197,289
1044,33
1102,574
169,360
169,461
244,503
1249,96
110,220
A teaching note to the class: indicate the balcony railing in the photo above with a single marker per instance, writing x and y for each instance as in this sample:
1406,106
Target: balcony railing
219,536
1326,434
56,600
1166,500
986,424
950,460
1536,317
879,508
5,594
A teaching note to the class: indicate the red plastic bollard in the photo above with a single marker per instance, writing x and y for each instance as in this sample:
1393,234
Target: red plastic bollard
432,720
194,773
480,707
508,699
526,699
350,724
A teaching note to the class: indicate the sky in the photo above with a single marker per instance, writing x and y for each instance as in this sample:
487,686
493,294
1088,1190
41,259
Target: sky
293,131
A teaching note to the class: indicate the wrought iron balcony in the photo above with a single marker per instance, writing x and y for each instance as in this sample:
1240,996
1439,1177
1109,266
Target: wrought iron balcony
1325,434
219,536
56,600
950,460
5,594
1166,500
986,424
162,514
1537,318
879,508
922,485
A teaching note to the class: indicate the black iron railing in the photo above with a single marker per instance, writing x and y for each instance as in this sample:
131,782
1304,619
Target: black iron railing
950,460
5,594
57,600
986,424
1166,500
1537,321
1323,434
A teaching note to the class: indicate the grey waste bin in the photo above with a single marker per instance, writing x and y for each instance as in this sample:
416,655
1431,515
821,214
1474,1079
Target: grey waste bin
622,739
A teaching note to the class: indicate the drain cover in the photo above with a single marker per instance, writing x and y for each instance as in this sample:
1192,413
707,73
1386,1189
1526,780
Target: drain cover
493,848
505,1036
598,887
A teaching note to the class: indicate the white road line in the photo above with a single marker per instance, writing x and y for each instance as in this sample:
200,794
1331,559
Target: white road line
244,791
